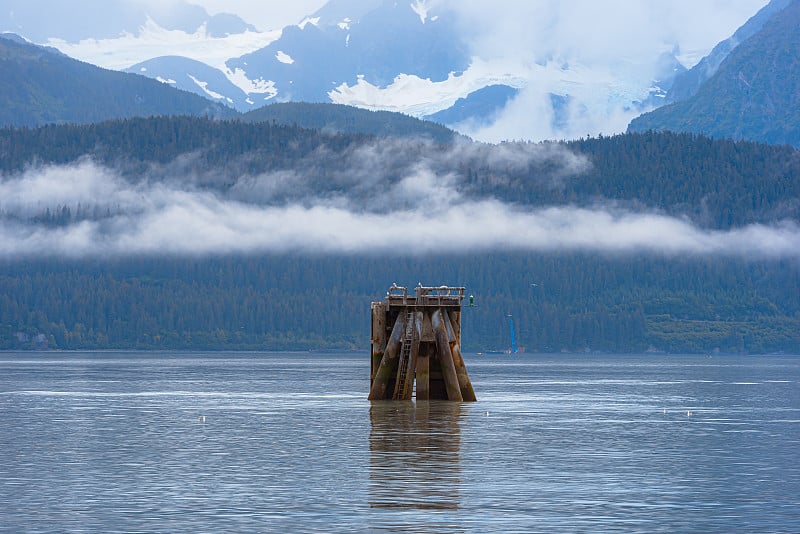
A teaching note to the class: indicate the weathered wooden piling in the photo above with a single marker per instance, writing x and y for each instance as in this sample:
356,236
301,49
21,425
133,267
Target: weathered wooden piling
464,383
417,339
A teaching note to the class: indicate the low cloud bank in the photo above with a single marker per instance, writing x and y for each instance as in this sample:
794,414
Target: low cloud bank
87,210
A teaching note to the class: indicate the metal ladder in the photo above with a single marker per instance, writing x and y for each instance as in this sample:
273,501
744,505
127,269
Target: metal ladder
405,360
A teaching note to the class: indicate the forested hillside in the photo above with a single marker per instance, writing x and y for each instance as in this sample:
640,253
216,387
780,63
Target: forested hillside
558,302
718,183
134,145
348,119
76,202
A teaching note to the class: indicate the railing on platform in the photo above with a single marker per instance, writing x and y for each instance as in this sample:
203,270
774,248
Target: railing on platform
425,296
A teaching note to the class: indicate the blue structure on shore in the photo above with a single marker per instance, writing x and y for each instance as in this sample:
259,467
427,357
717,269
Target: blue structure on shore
514,349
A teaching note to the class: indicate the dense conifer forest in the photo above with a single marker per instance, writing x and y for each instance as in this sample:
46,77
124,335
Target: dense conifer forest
559,300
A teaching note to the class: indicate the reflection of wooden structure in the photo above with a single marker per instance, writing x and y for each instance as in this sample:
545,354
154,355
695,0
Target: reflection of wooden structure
415,458
418,338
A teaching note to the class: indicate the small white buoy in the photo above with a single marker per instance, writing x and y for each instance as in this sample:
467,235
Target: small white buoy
202,418
688,414
486,414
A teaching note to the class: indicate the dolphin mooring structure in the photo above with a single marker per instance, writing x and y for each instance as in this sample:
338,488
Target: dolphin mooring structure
416,339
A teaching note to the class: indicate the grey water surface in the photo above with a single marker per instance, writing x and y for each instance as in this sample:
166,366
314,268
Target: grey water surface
287,442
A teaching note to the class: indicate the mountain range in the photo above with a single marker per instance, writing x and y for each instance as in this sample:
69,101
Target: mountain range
410,57
43,86
687,83
415,57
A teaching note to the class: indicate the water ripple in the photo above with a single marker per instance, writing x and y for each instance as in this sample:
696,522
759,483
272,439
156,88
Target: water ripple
288,443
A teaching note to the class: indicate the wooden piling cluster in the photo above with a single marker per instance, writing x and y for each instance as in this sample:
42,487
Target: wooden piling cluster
418,339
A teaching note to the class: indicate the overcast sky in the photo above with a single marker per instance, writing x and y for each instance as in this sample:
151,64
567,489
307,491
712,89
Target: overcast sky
264,14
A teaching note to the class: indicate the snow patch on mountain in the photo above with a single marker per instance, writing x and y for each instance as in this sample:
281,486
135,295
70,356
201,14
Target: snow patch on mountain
257,86
152,41
204,86
420,97
284,58
314,21
420,7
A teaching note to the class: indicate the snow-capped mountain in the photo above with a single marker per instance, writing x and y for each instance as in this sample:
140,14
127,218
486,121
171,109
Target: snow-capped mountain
388,55
451,61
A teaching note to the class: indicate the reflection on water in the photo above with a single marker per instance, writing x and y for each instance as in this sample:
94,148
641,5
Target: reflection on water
415,450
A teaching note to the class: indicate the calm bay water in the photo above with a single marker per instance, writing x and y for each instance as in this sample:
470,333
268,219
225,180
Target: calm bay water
224,442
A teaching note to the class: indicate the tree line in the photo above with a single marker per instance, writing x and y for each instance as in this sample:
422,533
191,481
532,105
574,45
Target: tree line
571,302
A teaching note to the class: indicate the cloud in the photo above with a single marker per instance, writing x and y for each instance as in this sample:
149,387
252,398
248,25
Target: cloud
592,30
54,187
408,207
602,55
404,174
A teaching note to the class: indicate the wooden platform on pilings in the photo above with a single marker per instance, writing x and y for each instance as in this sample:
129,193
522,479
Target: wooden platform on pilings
416,341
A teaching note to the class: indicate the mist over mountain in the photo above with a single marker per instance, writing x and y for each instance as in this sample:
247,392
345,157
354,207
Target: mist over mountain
202,186
754,93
